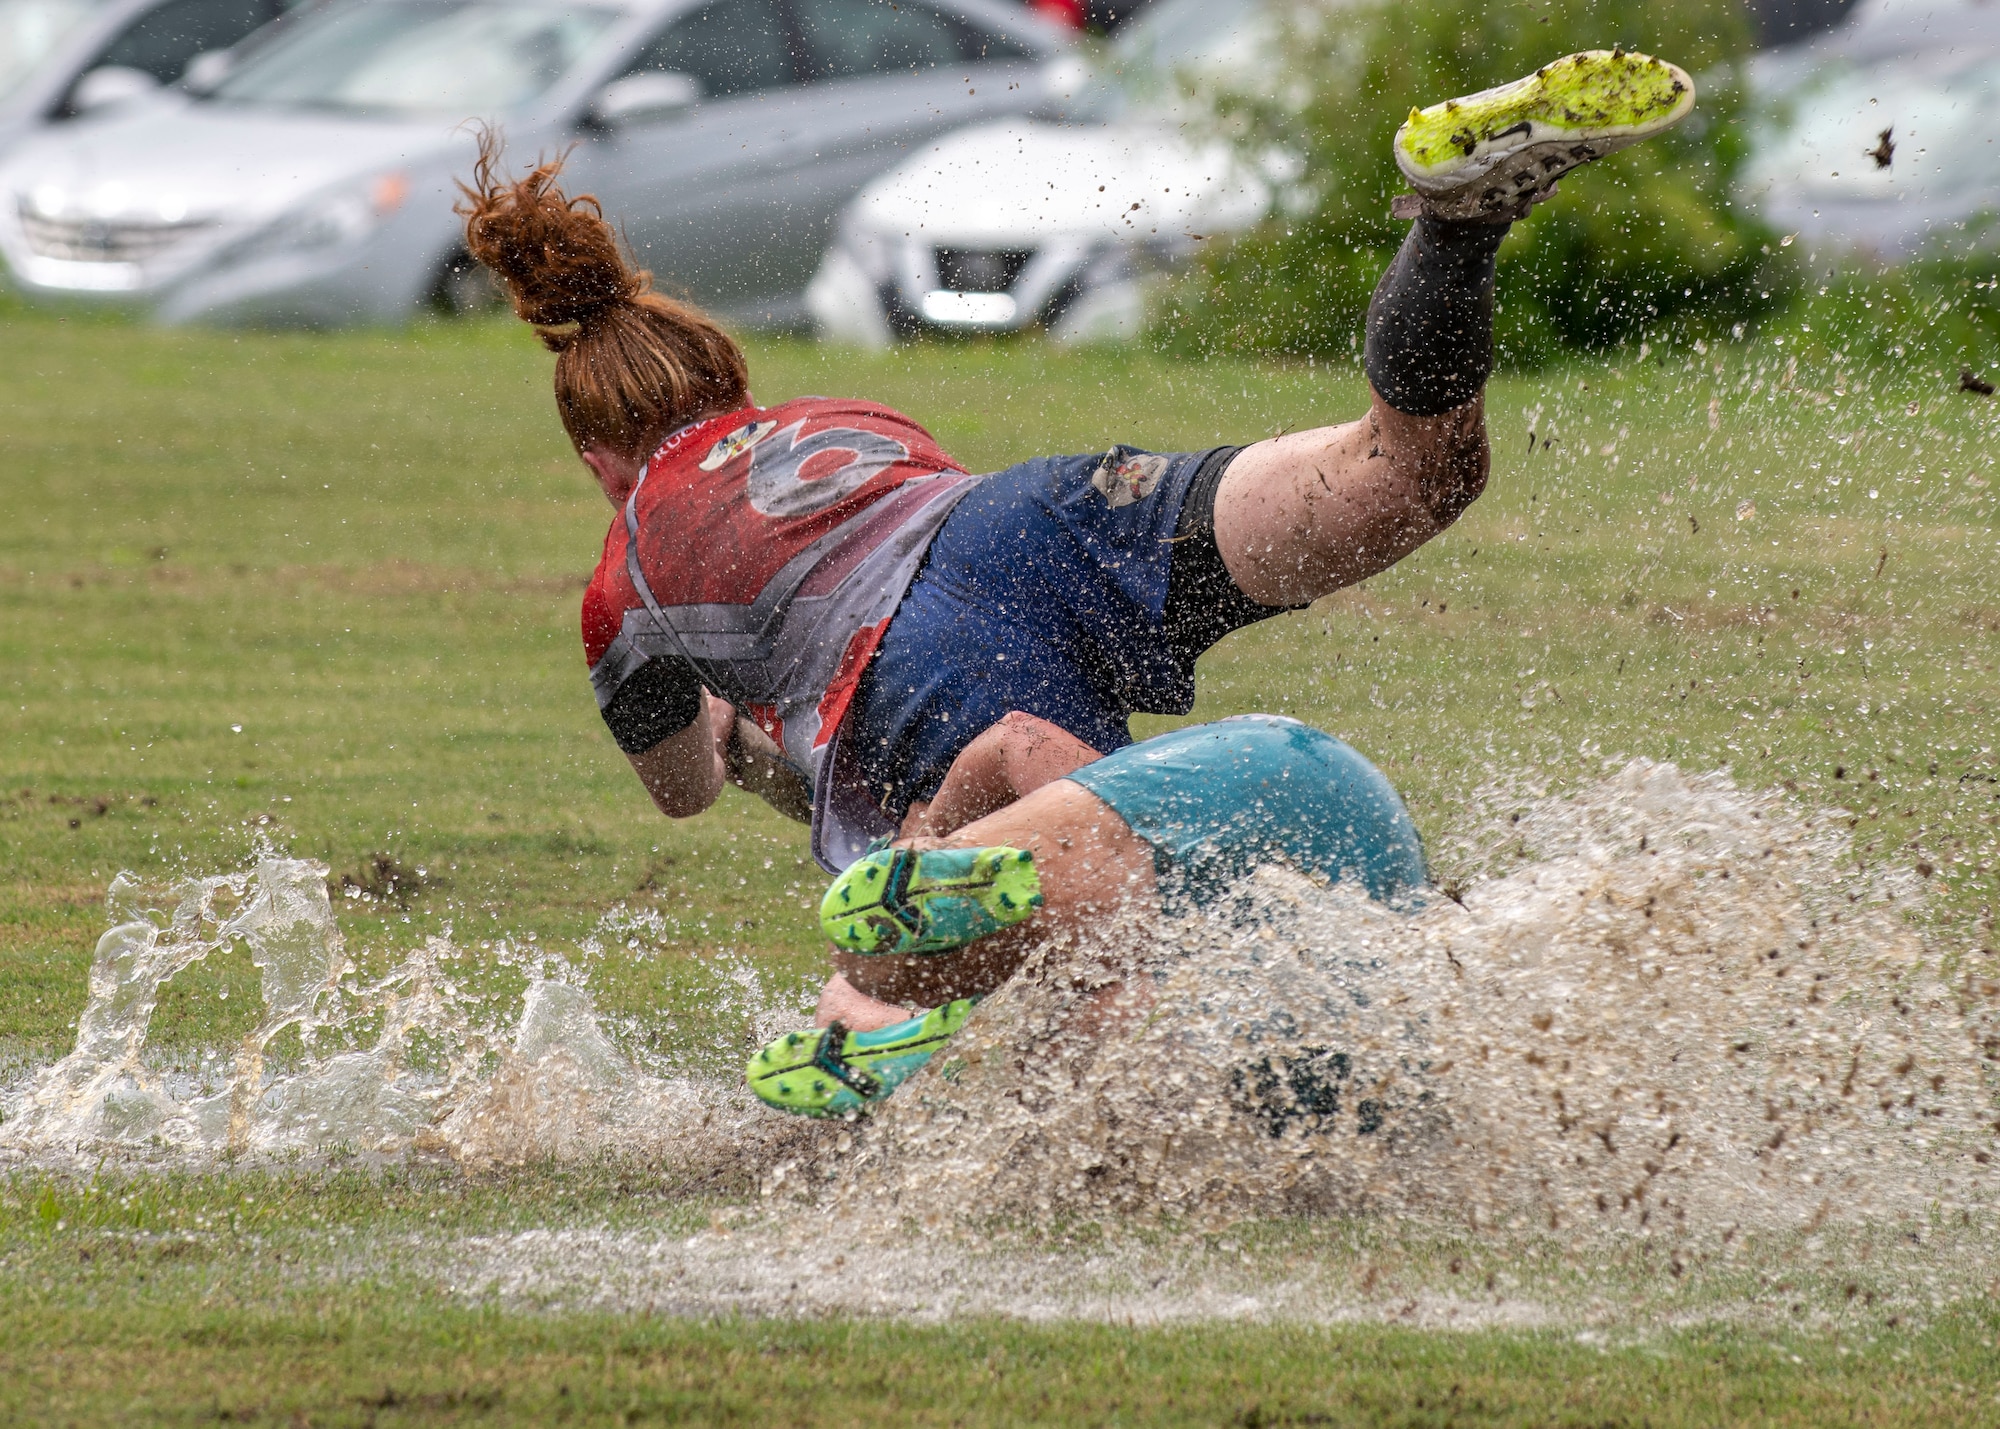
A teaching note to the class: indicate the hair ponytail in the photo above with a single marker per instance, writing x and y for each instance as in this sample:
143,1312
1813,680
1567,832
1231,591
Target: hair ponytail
632,365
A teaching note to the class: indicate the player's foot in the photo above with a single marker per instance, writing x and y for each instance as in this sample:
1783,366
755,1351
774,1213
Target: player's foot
833,1071
1495,153
899,901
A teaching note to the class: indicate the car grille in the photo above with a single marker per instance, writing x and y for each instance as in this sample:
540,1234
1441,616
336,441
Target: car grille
980,270
98,241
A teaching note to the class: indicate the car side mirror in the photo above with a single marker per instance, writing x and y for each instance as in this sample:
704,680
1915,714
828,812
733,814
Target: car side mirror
653,95
207,70
108,85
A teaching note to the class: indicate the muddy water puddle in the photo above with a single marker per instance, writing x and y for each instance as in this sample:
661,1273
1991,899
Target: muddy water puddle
1670,1045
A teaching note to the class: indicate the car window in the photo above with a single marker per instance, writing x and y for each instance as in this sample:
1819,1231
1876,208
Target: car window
731,46
451,58
846,38
162,41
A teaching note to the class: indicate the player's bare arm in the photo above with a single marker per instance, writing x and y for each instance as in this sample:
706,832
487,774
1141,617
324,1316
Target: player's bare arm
685,771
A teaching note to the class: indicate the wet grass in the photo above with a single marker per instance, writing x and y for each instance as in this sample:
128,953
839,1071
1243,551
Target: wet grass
275,1298
387,1356
321,592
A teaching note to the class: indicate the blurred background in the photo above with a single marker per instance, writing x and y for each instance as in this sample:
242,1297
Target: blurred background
1206,175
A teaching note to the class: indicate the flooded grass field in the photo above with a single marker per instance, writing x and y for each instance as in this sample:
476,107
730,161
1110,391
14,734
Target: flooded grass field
404,1087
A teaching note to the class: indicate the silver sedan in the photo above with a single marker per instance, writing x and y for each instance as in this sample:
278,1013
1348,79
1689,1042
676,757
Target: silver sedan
314,182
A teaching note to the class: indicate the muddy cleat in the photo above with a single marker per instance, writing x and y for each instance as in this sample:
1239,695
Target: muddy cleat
1495,153
899,901
834,1072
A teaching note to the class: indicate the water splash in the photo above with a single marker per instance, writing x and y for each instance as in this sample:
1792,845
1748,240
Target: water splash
1660,1008
1685,1013
441,1072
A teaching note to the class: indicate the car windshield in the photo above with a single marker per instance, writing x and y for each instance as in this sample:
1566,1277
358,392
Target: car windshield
1937,112
453,58
30,30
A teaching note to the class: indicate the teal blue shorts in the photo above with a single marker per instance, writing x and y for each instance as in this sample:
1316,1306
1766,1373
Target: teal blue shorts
1215,800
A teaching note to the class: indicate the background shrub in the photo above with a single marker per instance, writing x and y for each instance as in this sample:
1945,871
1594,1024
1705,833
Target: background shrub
1935,315
1642,241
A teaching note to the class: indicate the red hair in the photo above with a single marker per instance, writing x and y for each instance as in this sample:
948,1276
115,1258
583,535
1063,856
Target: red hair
632,365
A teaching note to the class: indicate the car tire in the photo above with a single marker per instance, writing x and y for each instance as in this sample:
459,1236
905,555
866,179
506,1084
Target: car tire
466,288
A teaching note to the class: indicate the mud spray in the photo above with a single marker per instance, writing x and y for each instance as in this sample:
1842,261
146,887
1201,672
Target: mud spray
1660,1022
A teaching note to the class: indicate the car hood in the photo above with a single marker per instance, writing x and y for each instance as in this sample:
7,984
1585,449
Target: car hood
1000,184
173,157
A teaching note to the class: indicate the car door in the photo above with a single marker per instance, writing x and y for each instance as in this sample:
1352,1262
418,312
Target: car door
733,198
692,190
886,75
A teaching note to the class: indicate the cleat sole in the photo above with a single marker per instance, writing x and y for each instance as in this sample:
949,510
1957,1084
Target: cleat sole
836,1072
1492,153
903,902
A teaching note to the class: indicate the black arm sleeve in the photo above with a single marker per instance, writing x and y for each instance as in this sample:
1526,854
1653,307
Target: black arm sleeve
661,698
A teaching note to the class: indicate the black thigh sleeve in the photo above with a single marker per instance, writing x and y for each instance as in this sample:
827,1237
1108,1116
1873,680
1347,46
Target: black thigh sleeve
1203,601
660,698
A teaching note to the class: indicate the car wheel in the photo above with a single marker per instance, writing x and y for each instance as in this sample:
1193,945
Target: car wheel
466,288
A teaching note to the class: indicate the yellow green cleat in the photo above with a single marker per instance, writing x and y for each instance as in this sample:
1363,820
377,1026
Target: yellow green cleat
899,901
833,1072
1494,153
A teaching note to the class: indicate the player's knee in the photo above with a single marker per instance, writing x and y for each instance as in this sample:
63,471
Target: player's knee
1017,723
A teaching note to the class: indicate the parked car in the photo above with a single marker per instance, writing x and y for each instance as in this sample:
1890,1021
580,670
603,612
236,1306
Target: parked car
1060,225
63,58
1880,135
314,182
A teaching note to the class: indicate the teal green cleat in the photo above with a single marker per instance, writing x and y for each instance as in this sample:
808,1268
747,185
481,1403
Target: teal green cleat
1494,153
898,901
834,1072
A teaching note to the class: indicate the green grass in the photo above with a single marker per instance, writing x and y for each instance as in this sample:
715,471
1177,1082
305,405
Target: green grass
367,550
194,1299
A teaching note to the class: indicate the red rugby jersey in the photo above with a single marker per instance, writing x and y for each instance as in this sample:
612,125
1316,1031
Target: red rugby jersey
768,548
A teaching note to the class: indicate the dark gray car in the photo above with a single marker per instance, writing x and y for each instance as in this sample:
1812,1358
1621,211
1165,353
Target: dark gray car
314,183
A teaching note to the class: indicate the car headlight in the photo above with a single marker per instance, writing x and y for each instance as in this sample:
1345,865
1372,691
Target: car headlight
333,219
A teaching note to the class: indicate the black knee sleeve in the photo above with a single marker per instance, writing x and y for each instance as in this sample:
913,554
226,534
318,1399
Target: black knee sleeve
1430,324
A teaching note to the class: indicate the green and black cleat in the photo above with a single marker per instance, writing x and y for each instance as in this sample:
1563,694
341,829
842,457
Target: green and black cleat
899,901
834,1071
1495,153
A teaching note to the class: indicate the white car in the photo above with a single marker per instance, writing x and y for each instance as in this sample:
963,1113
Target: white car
1027,223
1881,135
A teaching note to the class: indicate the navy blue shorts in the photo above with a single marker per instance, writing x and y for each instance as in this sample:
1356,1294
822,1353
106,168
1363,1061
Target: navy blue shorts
1215,800
1044,593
